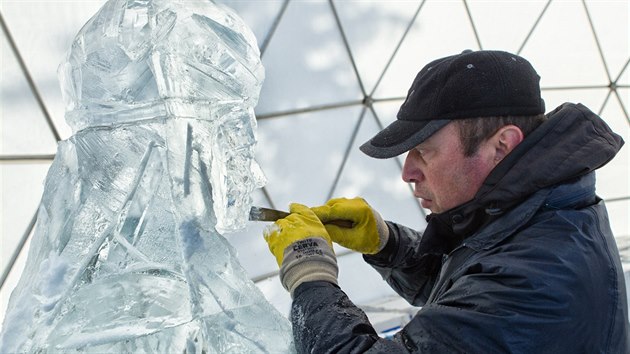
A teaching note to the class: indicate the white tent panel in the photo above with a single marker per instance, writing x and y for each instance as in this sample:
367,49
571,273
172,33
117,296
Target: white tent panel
441,28
43,31
23,130
611,20
25,181
300,74
302,155
374,30
504,24
260,16
624,79
563,39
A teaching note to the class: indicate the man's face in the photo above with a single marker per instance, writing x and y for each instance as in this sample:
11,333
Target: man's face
442,176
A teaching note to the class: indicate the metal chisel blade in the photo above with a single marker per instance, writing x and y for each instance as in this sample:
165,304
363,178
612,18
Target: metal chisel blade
266,214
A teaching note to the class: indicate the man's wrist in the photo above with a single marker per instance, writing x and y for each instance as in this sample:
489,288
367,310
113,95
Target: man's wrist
306,260
384,256
382,229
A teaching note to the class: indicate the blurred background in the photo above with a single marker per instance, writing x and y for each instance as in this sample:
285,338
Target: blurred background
337,71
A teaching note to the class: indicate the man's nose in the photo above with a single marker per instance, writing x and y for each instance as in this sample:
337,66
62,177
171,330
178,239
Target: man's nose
411,171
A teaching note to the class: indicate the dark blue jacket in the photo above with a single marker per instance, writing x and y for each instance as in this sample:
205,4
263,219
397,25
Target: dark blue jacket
529,266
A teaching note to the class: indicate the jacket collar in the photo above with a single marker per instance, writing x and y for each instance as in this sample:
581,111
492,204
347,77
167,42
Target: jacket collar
576,194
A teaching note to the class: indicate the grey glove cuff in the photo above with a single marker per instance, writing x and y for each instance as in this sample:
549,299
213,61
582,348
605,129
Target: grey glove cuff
383,230
310,259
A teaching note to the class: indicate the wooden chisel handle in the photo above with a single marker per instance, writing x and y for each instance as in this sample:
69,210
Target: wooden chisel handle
348,224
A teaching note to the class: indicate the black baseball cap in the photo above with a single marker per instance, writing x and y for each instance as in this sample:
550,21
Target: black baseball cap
473,84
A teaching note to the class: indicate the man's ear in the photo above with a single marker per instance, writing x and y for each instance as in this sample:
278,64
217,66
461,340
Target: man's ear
505,140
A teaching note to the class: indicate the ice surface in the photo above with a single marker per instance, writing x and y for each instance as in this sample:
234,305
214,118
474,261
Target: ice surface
128,254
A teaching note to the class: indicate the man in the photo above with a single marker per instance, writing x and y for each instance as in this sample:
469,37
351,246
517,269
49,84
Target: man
517,256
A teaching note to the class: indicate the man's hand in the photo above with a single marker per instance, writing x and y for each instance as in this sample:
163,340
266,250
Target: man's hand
302,247
368,234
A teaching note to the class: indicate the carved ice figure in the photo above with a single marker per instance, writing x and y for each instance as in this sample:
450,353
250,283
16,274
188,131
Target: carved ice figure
127,254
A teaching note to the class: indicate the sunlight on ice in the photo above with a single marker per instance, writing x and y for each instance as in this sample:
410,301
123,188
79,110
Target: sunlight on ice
128,254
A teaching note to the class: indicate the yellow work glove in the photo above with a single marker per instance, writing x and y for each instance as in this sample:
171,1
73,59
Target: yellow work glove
368,233
302,247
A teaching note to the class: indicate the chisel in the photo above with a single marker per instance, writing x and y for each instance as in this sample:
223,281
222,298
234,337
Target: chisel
266,214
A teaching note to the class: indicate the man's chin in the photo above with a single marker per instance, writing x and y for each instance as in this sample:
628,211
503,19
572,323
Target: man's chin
427,204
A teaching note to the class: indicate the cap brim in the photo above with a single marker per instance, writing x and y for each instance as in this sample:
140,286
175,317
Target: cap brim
400,137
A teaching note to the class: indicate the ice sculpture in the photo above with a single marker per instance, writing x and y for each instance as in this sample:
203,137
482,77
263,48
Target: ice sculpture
128,254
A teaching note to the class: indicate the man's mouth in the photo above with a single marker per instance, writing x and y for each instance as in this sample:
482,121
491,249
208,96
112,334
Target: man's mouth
424,201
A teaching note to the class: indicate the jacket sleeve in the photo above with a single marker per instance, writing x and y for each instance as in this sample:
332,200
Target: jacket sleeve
406,265
324,320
